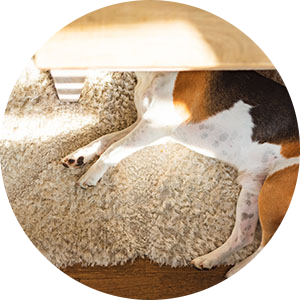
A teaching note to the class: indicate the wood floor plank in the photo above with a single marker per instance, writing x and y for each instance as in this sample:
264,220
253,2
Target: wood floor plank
145,280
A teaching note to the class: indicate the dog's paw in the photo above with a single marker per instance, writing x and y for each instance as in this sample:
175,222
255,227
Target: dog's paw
204,262
86,182
71,161
90,178
79,158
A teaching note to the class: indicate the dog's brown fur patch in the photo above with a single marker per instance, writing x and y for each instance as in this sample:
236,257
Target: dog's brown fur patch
290,149
189,95
274,200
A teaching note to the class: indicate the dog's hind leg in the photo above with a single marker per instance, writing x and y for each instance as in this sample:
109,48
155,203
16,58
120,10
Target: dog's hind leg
96,148
273,202
242,234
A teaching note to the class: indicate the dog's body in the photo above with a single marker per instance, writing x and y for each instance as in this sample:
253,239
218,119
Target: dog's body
241,118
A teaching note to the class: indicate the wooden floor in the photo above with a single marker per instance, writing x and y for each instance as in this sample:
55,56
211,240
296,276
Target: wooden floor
146,280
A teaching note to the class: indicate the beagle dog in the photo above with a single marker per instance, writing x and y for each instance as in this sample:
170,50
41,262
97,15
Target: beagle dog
239,117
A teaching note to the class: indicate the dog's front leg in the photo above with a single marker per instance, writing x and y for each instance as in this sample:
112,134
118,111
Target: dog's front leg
145,134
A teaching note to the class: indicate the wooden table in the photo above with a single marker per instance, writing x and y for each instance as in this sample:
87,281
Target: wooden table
145,35
151,35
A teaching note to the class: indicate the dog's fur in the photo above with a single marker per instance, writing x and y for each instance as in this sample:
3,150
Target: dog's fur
241,118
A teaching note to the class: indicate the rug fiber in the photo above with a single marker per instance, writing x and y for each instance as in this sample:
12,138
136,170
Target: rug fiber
165,202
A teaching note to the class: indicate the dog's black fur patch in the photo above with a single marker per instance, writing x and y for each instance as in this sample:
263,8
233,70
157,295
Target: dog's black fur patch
272,110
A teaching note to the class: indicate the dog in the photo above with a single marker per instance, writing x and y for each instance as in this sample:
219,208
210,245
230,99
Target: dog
240,117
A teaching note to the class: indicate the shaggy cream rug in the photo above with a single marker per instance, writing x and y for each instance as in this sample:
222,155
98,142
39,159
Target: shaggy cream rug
166,202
